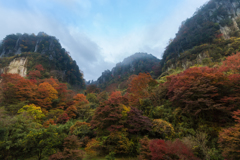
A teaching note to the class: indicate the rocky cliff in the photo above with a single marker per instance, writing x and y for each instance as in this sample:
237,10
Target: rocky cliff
18,50
206,36
17,66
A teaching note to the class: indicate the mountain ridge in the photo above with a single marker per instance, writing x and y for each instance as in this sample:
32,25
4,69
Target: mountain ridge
41,49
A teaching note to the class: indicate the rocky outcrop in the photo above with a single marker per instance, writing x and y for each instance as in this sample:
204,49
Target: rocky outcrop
17,66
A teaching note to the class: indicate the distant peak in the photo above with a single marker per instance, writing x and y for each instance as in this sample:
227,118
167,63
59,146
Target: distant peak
42,34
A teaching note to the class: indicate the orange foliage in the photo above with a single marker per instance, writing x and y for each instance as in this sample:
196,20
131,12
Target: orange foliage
80,99
115,94
16,88
25,90
45,94
93,147
229,139
48,122
231,63
71,111
138,88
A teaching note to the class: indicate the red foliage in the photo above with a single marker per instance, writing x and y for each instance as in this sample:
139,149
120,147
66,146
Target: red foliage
71,150
136,122
39,67
145,153
63,118
34,74
158,149
231,63
108,116
219,35
113,115
197,89
162,150
16,88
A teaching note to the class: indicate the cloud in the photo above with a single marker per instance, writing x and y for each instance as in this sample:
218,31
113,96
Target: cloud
151,38
87,34
82,49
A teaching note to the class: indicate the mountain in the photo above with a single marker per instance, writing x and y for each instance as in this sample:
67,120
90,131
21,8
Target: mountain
209,35
20,53
134,64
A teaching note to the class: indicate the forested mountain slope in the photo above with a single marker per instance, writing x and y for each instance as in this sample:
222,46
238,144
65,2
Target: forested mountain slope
132,65
209,35
41,49
190,112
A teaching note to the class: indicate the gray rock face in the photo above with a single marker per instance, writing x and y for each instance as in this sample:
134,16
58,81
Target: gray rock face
28,43
17,66
233,10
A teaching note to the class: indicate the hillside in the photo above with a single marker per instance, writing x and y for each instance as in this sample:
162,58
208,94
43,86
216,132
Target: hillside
41,49
209,35
132,65
184,106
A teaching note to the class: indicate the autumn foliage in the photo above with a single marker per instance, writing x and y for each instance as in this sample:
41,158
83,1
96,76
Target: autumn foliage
80,99
162,150
229,139
196,89
138,88
71,150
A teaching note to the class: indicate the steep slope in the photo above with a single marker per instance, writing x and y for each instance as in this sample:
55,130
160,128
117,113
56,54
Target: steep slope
207,36
135,64
41,49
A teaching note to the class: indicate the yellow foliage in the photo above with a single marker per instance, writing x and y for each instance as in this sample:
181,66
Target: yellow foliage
163,127
33,111
92,147
125,110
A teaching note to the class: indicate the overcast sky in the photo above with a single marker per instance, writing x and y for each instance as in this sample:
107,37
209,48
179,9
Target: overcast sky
99,33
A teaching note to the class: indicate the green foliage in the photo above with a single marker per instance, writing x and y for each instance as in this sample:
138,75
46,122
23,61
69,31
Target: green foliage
199,143
81,129
17,129
91,97
13,108
43,141
110,156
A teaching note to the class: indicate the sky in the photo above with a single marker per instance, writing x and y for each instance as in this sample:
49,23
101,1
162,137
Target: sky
99,33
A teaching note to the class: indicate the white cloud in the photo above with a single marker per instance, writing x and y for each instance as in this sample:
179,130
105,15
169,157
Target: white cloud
94,53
